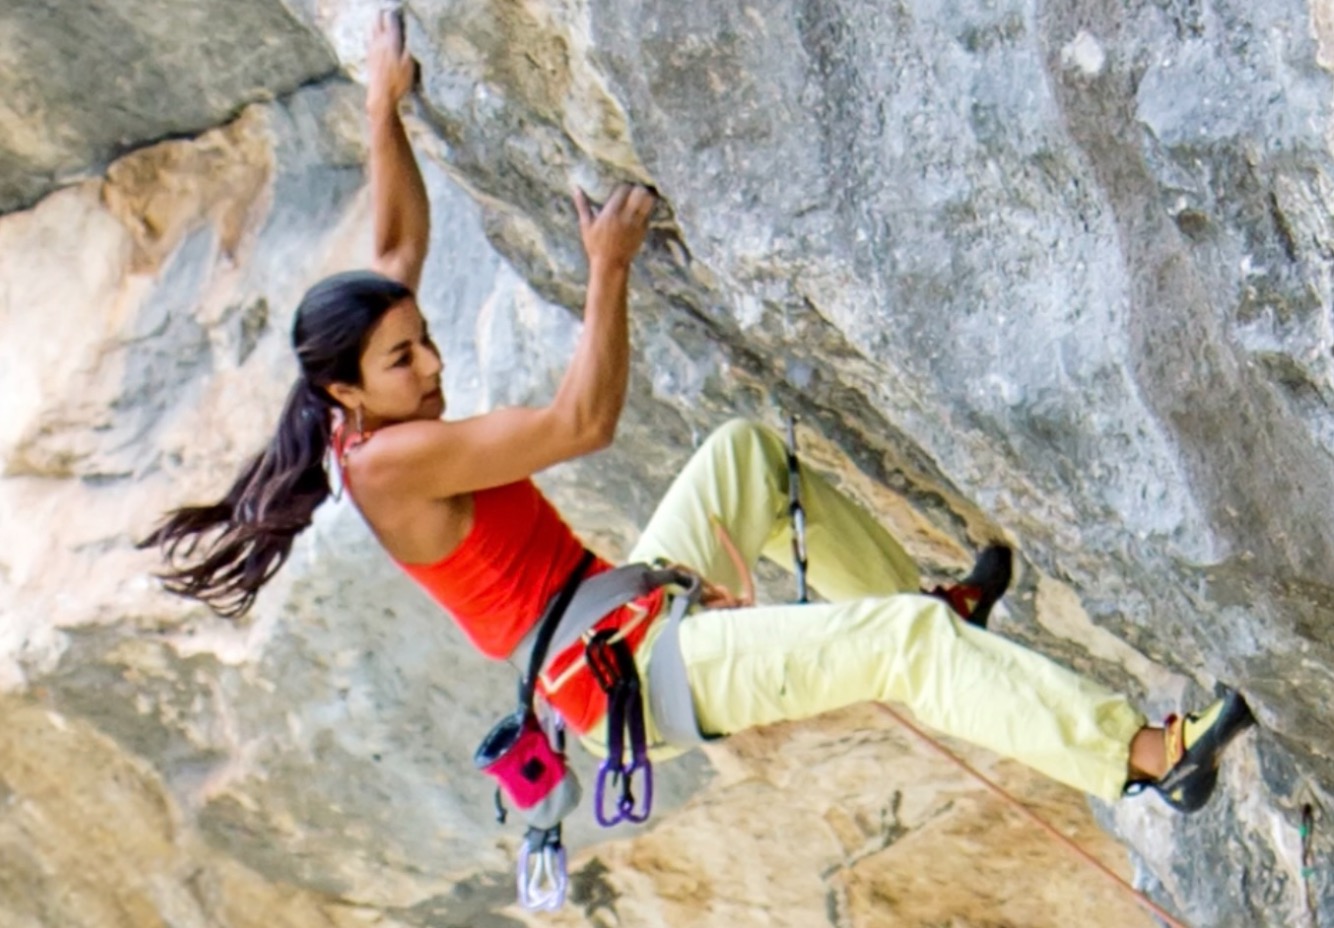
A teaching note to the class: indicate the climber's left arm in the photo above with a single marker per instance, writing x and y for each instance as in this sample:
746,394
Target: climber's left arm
402,213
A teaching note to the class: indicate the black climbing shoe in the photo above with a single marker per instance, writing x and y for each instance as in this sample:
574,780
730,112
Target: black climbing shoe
1194,745
974,595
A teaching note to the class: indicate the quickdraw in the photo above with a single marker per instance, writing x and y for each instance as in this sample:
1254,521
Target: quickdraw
1307,834
796,511
613,666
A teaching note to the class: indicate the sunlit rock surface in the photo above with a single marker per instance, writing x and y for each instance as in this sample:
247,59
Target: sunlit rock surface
1054,272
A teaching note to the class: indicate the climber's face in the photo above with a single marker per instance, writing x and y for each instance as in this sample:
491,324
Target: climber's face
400,371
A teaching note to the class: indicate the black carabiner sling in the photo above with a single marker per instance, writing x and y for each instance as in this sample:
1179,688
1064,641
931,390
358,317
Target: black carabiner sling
546,629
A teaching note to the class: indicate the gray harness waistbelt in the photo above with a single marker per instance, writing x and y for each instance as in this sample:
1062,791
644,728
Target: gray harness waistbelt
669,701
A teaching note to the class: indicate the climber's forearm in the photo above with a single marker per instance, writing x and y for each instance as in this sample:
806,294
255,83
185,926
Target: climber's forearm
398,195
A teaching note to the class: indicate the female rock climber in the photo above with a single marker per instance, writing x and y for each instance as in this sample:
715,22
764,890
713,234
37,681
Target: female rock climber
454,504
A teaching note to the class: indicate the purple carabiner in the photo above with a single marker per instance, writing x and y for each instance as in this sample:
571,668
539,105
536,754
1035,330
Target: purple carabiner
627,803
614,667
608,769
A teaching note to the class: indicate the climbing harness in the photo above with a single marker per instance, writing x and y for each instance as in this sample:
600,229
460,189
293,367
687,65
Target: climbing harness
796,511
528,762
613,667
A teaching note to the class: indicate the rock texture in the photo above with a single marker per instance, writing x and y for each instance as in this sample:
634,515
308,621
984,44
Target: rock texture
80,83
1056,271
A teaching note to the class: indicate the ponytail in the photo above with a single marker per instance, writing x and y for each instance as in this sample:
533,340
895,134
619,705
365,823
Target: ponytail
222,554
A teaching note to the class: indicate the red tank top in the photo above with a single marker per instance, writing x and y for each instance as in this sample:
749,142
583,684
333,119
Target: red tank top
497,582
500,578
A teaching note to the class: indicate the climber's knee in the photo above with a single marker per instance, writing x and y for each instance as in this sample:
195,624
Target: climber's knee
746,433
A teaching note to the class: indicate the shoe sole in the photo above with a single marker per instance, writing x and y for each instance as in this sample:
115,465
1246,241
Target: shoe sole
1188,785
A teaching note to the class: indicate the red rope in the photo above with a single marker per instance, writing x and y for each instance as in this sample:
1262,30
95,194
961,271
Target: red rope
1042,823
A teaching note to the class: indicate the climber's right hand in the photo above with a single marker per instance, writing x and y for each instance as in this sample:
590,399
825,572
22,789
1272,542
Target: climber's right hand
612,235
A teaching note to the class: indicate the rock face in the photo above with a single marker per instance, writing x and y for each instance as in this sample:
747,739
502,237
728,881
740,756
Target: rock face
80,83
1058,272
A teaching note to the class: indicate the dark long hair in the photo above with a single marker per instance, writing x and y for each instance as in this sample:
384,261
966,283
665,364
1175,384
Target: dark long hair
223,553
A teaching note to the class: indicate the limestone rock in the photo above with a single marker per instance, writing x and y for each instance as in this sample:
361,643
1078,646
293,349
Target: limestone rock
89,837
83,82
1057,272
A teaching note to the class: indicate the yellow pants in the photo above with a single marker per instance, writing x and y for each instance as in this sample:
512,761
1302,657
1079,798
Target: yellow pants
877,638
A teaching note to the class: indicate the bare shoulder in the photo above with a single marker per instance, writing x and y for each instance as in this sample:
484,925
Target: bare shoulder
435,459
411,525
377,466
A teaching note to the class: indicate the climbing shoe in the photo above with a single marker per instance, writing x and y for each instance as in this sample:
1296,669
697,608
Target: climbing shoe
974,595
1194,745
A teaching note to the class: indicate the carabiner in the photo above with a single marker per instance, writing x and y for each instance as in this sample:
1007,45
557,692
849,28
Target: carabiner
613,667
608,769
626,807
543,889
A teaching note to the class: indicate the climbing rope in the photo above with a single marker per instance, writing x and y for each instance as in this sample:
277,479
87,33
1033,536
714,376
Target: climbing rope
1038,820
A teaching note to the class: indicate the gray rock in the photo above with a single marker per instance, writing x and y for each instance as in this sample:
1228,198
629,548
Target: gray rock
1058,272
1067,263
82,83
